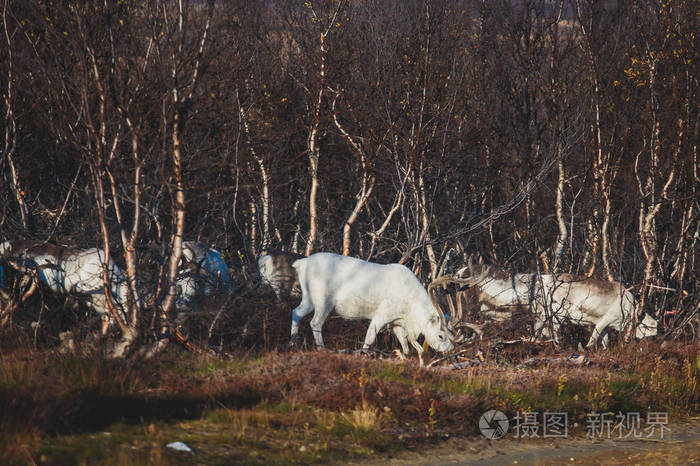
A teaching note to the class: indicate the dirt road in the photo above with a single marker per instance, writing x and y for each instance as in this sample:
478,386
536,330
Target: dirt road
682,446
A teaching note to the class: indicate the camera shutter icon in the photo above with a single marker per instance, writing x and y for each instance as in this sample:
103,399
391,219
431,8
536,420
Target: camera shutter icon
493,424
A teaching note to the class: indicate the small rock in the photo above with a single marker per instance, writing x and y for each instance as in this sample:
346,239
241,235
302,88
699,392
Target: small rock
179,446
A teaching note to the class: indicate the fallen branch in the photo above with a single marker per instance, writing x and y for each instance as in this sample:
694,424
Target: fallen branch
452,355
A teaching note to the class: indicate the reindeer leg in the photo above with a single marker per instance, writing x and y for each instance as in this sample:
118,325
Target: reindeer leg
548,333
555,331
320,316
418,348
598,331
375,326
539,327
301,311
400,333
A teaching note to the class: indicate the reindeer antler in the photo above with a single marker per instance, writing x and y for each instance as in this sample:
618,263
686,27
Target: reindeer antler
456,313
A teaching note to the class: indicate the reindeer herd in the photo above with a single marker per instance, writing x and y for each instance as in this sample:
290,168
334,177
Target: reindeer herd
554,298
81,274
389,296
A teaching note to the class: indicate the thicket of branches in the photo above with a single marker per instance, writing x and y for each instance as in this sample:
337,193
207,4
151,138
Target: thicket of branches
547,135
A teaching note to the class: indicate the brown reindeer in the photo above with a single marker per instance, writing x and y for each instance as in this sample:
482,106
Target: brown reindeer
276,271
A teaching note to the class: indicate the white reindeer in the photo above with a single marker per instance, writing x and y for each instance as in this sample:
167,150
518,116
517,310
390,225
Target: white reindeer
584,300
387,295
499,293
70,272
553,298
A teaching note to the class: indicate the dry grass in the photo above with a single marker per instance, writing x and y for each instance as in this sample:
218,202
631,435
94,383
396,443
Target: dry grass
365,418
304,406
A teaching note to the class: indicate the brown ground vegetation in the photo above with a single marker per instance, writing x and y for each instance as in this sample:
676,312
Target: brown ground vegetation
54,405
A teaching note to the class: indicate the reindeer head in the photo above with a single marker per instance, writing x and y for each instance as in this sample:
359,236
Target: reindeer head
437,333
451,306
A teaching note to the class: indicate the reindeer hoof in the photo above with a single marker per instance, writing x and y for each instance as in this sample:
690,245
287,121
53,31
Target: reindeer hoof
293,342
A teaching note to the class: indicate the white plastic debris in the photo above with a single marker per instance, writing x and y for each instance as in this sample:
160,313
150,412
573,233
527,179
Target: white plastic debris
179,446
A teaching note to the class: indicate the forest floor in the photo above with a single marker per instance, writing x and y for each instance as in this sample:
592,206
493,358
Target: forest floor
333,406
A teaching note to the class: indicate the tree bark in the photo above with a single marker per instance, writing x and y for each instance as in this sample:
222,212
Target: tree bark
563,235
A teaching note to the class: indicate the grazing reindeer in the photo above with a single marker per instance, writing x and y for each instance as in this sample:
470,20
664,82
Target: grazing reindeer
586,300
582,300
499,293
276,271
388,295
202,273
69,272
